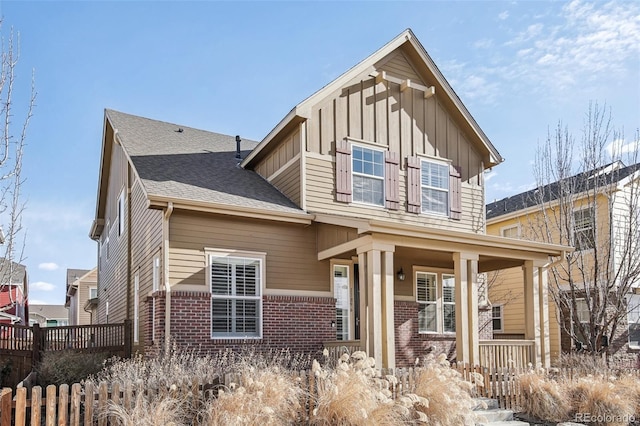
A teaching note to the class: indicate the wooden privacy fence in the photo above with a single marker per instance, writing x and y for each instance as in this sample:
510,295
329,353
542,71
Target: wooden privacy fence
24,346
86,405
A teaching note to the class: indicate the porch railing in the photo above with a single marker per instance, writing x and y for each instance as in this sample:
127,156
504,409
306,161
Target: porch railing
496,354
338,347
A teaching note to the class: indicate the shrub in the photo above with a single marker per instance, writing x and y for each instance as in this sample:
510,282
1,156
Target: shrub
166,411
544,398
601,399
448,394
69,367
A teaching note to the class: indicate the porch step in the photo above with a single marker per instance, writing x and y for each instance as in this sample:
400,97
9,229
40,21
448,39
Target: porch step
489,414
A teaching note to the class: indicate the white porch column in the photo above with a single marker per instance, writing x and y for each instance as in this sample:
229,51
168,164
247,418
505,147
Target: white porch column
536,309
536,306
466,297
377,330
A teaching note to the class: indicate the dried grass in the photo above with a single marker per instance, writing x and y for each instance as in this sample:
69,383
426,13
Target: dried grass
601,399
544,398
166,411
448,394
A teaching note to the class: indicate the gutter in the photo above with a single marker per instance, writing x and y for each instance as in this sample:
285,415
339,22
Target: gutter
165,273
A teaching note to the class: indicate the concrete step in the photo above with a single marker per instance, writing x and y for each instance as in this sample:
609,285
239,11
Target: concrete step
486,403
505,423
494,415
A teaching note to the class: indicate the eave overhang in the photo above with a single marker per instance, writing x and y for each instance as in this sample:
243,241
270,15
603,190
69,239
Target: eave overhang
162,202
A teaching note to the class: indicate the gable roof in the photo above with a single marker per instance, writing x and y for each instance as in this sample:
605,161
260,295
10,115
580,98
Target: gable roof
49,311
17,270
405,39
74,274
180,163
581,182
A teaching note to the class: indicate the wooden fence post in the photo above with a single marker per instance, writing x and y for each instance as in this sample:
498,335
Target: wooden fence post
128,338
6,399
36,336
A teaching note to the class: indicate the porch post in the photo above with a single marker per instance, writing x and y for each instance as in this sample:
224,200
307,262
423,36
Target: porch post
532,304
466,297
388,324
545,344
377,329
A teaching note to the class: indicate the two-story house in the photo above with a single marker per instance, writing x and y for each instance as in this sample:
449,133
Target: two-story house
14,290
82,290
359,217
597,288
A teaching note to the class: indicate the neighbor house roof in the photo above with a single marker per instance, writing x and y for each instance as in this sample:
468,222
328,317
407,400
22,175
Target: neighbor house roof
17,271
182,163
609,174
49,311
408,41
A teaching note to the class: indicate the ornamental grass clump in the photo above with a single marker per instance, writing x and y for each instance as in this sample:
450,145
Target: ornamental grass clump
544,398
166,411
268,396
602,399
448,395
352,394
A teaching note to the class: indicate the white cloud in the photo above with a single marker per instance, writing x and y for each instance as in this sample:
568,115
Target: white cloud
48,266
41,285
490,175
484,43
621,147
503,15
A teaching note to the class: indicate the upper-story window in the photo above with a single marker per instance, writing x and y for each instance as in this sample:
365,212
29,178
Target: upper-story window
434,187
510,231
368,175
583,229
121,217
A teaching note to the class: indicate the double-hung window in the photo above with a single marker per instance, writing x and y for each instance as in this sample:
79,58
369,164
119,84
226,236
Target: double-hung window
121,213
236,289
496,318
510,231
583,229
434,187
368,175
435,294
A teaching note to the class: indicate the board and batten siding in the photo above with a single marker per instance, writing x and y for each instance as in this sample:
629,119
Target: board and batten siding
113,264
320,198
146,242
291,250
400,121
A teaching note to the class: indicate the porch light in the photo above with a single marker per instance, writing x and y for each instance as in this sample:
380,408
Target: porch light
401,275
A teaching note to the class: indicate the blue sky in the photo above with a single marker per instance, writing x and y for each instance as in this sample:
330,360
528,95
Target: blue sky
238,68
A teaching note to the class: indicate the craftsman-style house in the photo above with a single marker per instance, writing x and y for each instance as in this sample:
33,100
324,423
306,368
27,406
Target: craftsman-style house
81,295
358,219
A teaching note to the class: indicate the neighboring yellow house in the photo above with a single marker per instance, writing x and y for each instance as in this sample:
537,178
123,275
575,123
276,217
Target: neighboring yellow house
358,220
82,289
596,215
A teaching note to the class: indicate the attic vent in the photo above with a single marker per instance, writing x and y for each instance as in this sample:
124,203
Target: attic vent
180,130
238,156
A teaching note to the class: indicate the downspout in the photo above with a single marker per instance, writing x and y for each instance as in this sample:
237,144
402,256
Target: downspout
165,274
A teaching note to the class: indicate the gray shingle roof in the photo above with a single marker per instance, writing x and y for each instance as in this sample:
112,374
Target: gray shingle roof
180,162
17,271
578,183
74,274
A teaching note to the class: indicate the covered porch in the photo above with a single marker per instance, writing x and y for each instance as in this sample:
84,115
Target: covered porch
437,274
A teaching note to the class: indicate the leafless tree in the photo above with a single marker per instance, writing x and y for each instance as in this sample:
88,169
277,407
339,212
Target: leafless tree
587,196
12,145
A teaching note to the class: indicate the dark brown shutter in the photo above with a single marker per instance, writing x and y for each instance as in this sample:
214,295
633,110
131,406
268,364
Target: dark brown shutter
455,192
413,185
391,180
343,171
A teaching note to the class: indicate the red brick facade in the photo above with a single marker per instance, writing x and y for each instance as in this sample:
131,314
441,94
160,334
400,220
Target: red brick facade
299,323
410,344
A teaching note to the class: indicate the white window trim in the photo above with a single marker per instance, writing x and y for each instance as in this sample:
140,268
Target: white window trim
93,288
354,173
261,256
439,297
155,272
501,329
629,312
447,164
516,226
136,308
121,212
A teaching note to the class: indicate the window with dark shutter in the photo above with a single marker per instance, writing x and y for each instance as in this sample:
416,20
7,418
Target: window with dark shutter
455,192
392,176
413,185
343,172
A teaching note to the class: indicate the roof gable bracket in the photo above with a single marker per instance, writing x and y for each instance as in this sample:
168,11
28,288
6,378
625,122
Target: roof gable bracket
405,84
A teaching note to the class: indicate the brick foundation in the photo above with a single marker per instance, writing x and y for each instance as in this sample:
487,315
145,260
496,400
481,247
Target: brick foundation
298,323
410,344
